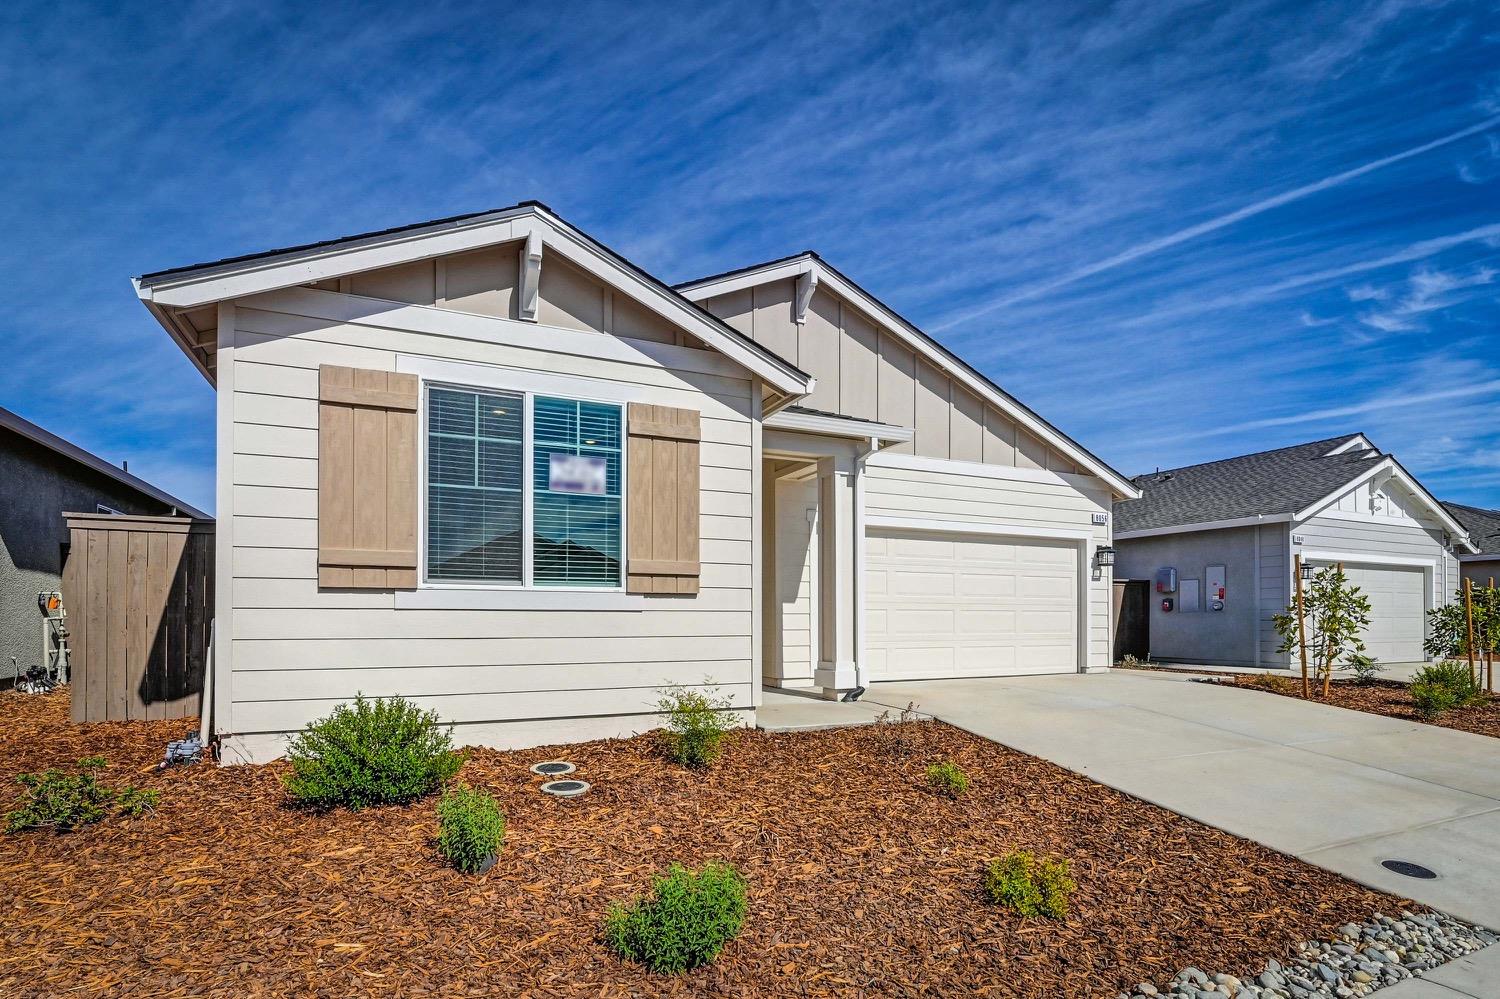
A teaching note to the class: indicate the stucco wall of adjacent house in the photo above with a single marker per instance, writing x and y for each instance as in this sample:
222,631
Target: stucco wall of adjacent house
1228,637
39,486
1481,570
527,669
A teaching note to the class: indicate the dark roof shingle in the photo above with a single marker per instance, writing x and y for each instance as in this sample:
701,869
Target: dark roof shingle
1483,526
1267,483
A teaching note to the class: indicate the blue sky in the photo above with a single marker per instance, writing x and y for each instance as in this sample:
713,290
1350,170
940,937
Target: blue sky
1179,231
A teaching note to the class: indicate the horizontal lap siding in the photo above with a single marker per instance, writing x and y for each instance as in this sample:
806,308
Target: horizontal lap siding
972,499
1376,537
298,650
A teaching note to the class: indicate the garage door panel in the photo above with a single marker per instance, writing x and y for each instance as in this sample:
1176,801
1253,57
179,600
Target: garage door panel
969,605
1398,609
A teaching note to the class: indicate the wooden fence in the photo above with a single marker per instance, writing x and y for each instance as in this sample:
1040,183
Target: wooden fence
1130,618
139,593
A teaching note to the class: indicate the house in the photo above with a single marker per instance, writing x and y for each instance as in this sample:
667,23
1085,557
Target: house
1481,566
1218,540
490,465
42,477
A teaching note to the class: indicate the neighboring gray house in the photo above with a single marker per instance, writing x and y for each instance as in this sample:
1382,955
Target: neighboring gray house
1229,529
1484,531
42,477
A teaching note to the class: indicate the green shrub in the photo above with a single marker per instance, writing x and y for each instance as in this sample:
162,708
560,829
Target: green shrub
948,778
63,801
1029,886
1365,668
471,827
1444,686
376,752
686,923
696,725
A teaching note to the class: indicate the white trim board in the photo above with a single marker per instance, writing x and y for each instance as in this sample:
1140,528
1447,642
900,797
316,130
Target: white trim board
969,527
1367,558
1211,525
916,340
839,426
1392,469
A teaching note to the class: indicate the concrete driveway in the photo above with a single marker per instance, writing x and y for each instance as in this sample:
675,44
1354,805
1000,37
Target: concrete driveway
1338,788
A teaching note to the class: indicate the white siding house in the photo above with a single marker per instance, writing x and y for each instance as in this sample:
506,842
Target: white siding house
486,464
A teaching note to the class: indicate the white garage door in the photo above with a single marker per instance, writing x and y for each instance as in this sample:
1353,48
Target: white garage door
946,605
1397,610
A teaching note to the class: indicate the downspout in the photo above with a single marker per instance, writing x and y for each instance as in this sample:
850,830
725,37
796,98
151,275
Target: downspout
861,672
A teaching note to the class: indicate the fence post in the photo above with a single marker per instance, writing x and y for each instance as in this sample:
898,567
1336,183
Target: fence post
1301,622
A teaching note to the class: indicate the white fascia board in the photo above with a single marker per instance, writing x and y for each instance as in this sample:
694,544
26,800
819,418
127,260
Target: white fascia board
1212,525
890,321
1358,441
186,339
1366,558
233,281
1391,469
1081,535
836,426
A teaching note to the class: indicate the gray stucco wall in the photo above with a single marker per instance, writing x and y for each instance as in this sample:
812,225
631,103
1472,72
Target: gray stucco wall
1221,638
1481,571
37,486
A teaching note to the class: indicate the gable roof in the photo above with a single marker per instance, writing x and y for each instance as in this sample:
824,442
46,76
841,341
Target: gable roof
1483,526
169,293
1284,484
66,449
808,261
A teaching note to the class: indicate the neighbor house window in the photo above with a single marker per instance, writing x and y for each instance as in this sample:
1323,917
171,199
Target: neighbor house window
490,522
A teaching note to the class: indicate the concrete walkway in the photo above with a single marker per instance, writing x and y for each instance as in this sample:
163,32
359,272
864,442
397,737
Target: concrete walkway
1341,789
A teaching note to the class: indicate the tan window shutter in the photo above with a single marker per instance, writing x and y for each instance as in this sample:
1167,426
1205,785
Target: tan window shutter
662,550
367,479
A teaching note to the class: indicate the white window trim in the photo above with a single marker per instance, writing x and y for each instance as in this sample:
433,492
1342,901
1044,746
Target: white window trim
477,594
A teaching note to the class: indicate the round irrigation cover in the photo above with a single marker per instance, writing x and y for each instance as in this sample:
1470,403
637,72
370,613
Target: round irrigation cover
565,788
1409,869
552,768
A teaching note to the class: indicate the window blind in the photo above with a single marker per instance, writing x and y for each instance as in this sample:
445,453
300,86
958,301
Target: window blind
474,497
576,536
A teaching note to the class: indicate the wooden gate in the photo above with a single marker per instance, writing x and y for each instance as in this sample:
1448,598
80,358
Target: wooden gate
139,593
1131,618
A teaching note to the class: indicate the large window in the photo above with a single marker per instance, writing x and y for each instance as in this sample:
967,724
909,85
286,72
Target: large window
488,522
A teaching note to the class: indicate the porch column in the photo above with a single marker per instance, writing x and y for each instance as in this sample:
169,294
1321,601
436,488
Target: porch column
836,598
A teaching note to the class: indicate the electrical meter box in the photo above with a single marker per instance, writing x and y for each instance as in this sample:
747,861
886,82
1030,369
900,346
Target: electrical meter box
1166,580
1216,591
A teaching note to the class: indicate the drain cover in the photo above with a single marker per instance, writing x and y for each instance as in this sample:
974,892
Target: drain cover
1409,869
552,768
565,788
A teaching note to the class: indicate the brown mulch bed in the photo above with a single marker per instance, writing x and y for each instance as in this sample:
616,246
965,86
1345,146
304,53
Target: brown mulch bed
1389,698
862,881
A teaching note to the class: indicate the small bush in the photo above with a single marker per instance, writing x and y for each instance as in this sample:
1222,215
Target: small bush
948,779
135,802
1031,887
384,751
1444,686
471,827
686,923
1365,668
1273,682
900,736
63,801
696,725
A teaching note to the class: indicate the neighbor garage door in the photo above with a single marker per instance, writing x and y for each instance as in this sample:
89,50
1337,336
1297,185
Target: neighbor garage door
946,605
1397,610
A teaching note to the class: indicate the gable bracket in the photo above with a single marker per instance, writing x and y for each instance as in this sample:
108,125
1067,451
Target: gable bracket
531,276
807,283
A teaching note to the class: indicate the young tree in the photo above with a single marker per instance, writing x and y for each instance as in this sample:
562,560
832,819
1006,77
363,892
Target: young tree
1448,627
1337,612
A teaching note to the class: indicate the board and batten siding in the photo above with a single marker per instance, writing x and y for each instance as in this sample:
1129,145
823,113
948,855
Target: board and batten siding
508,673
1275,591
974,496
870,373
